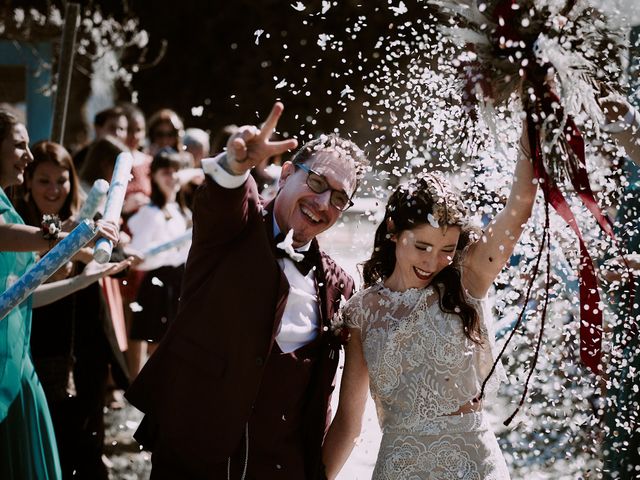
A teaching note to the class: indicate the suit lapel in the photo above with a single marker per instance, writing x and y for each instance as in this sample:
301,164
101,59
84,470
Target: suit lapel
283,287
321,284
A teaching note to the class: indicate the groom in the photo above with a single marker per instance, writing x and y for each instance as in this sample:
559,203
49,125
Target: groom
240,385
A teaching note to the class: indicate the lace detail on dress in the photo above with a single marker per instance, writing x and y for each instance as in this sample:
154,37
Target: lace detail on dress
422,368
421,364
470,455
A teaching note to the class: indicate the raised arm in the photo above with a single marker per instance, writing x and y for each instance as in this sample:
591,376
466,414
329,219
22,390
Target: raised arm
250,145
623,123
487,257
347,424
226,198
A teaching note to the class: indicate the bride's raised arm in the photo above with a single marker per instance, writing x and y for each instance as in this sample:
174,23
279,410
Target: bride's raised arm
487,257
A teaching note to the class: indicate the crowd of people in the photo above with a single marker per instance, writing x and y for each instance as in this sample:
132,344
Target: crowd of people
229,343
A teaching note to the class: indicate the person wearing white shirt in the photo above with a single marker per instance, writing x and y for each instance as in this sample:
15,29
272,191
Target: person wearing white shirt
162,220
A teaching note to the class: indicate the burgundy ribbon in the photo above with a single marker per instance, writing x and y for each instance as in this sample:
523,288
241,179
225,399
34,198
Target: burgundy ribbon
572,144
590,312
547,103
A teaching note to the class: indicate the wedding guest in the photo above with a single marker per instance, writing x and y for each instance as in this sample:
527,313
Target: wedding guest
109,122
165,130
99,164
196,142
73,344
27,441
240,385
622,443
100,161
139,187
137,195
162,220
623,123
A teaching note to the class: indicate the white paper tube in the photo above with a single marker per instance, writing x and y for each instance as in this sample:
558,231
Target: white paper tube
94,200
163,247
57,257
115,199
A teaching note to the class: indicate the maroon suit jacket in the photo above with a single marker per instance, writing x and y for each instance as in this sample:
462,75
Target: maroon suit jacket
199,386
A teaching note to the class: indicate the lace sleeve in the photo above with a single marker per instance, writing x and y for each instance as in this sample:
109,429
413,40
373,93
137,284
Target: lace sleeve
350,314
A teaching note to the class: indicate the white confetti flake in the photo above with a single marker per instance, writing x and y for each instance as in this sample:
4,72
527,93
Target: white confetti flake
400,9
18,16
157,282
257,34
347,90
323,38
135,307
299,6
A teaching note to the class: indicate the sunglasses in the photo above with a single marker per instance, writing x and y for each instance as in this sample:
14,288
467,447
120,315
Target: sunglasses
318,184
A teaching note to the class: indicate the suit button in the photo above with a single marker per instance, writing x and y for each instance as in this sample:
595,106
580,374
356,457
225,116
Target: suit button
259,361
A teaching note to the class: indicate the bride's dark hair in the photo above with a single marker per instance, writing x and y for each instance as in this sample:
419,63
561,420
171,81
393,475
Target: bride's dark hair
426,200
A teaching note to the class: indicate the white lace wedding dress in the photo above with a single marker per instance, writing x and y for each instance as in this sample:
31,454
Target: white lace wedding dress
422,369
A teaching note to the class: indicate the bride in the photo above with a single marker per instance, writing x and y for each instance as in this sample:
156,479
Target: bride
421,334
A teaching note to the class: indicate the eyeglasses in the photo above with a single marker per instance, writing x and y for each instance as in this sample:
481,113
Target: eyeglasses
318,184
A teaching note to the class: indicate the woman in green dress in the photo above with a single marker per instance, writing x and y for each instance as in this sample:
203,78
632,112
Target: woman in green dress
27,442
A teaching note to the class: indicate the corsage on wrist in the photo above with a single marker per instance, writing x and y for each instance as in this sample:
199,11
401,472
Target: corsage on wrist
51,227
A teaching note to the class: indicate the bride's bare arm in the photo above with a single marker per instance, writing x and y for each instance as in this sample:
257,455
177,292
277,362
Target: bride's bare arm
487,257
347,424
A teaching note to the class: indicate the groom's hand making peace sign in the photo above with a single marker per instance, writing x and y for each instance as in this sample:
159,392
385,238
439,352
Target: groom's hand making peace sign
250,145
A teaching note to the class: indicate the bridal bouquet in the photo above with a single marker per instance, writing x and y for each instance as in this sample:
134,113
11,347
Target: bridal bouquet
557,57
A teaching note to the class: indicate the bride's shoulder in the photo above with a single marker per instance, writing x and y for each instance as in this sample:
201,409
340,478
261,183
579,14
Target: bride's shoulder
366,292
362,298
354,310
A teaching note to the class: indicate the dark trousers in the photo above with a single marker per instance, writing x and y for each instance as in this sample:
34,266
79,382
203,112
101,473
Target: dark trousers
164,467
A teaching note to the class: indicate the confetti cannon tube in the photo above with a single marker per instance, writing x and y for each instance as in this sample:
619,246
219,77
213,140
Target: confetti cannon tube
94,200
57,257
163,247
115,199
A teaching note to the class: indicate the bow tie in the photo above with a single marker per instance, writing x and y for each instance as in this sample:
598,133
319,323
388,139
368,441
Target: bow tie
305,265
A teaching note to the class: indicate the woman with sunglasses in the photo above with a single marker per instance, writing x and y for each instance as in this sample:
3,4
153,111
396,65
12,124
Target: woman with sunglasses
165,130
